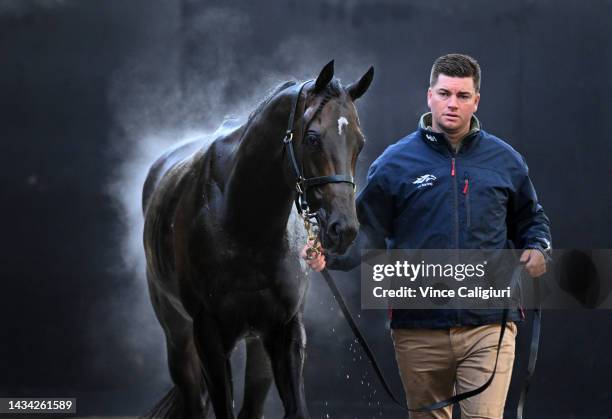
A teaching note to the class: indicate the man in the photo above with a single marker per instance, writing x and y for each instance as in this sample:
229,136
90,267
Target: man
451,185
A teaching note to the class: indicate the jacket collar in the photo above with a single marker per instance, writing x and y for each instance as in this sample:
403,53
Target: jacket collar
438,141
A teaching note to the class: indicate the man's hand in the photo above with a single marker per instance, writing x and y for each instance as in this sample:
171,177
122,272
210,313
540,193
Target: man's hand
318,263
535,263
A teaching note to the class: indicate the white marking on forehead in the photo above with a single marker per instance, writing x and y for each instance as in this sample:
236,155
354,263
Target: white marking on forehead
342,121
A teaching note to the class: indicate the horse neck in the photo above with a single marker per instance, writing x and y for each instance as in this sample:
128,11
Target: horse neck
258,199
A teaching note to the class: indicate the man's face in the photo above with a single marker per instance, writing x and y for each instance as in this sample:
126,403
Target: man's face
452,101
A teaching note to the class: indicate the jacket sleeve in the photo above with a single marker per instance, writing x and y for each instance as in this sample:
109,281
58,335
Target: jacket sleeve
375,214
528,225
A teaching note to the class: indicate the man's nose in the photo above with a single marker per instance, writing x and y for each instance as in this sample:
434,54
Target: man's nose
452,102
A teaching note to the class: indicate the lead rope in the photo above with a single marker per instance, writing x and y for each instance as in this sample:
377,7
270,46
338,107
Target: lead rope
314,250
359,336
533,351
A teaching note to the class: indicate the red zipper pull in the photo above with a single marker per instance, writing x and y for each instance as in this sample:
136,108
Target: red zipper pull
453,167
466,186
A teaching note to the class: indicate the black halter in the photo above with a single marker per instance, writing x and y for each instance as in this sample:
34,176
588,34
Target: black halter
302,184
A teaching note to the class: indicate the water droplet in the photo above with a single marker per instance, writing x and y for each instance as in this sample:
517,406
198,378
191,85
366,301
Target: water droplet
32,180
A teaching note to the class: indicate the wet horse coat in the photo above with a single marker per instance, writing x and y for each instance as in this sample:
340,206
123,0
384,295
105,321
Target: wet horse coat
217,248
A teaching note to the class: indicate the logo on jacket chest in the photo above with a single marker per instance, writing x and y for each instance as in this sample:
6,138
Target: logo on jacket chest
424,181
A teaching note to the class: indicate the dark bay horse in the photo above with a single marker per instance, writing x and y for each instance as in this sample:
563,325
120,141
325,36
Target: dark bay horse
217,248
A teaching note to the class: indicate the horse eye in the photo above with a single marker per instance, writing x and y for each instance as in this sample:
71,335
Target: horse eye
313,140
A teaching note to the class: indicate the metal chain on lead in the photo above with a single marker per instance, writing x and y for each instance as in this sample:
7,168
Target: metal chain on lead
312,230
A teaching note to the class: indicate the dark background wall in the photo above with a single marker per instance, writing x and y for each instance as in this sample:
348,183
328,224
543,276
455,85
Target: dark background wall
91,91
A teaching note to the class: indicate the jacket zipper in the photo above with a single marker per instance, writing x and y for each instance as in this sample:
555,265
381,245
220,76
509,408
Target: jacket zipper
453,172
466,192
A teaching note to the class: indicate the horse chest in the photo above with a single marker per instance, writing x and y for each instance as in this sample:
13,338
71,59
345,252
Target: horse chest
258,310
265,288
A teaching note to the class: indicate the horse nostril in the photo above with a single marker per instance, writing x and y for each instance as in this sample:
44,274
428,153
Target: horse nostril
350,233
335,230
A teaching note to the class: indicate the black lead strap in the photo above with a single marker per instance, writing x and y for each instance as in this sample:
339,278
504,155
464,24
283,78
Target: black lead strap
533,355
359,336
533,351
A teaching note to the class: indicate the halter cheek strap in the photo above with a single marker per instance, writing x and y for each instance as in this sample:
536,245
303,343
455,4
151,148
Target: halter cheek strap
302,184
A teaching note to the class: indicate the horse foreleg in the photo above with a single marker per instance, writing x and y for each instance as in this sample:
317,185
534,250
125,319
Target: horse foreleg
257,381
287,350
214,357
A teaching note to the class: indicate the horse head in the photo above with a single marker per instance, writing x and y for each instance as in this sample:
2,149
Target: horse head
332,140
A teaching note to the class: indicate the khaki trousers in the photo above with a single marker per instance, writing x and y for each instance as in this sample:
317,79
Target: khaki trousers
435,364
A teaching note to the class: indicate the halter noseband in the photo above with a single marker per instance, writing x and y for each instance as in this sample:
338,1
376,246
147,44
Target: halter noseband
302,184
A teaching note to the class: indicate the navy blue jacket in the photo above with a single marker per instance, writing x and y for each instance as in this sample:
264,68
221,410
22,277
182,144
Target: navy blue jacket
422,194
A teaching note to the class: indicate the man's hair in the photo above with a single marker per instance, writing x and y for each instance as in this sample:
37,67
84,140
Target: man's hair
456,65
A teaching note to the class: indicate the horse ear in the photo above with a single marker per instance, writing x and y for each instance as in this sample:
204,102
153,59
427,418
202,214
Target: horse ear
357,89
327,73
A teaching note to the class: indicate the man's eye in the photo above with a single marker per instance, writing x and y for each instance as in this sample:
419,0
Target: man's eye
443,94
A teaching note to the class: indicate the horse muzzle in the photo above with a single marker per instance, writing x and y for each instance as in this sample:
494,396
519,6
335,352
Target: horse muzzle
337,233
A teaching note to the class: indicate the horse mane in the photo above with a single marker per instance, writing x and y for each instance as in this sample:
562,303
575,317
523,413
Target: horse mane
333,89
268,98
